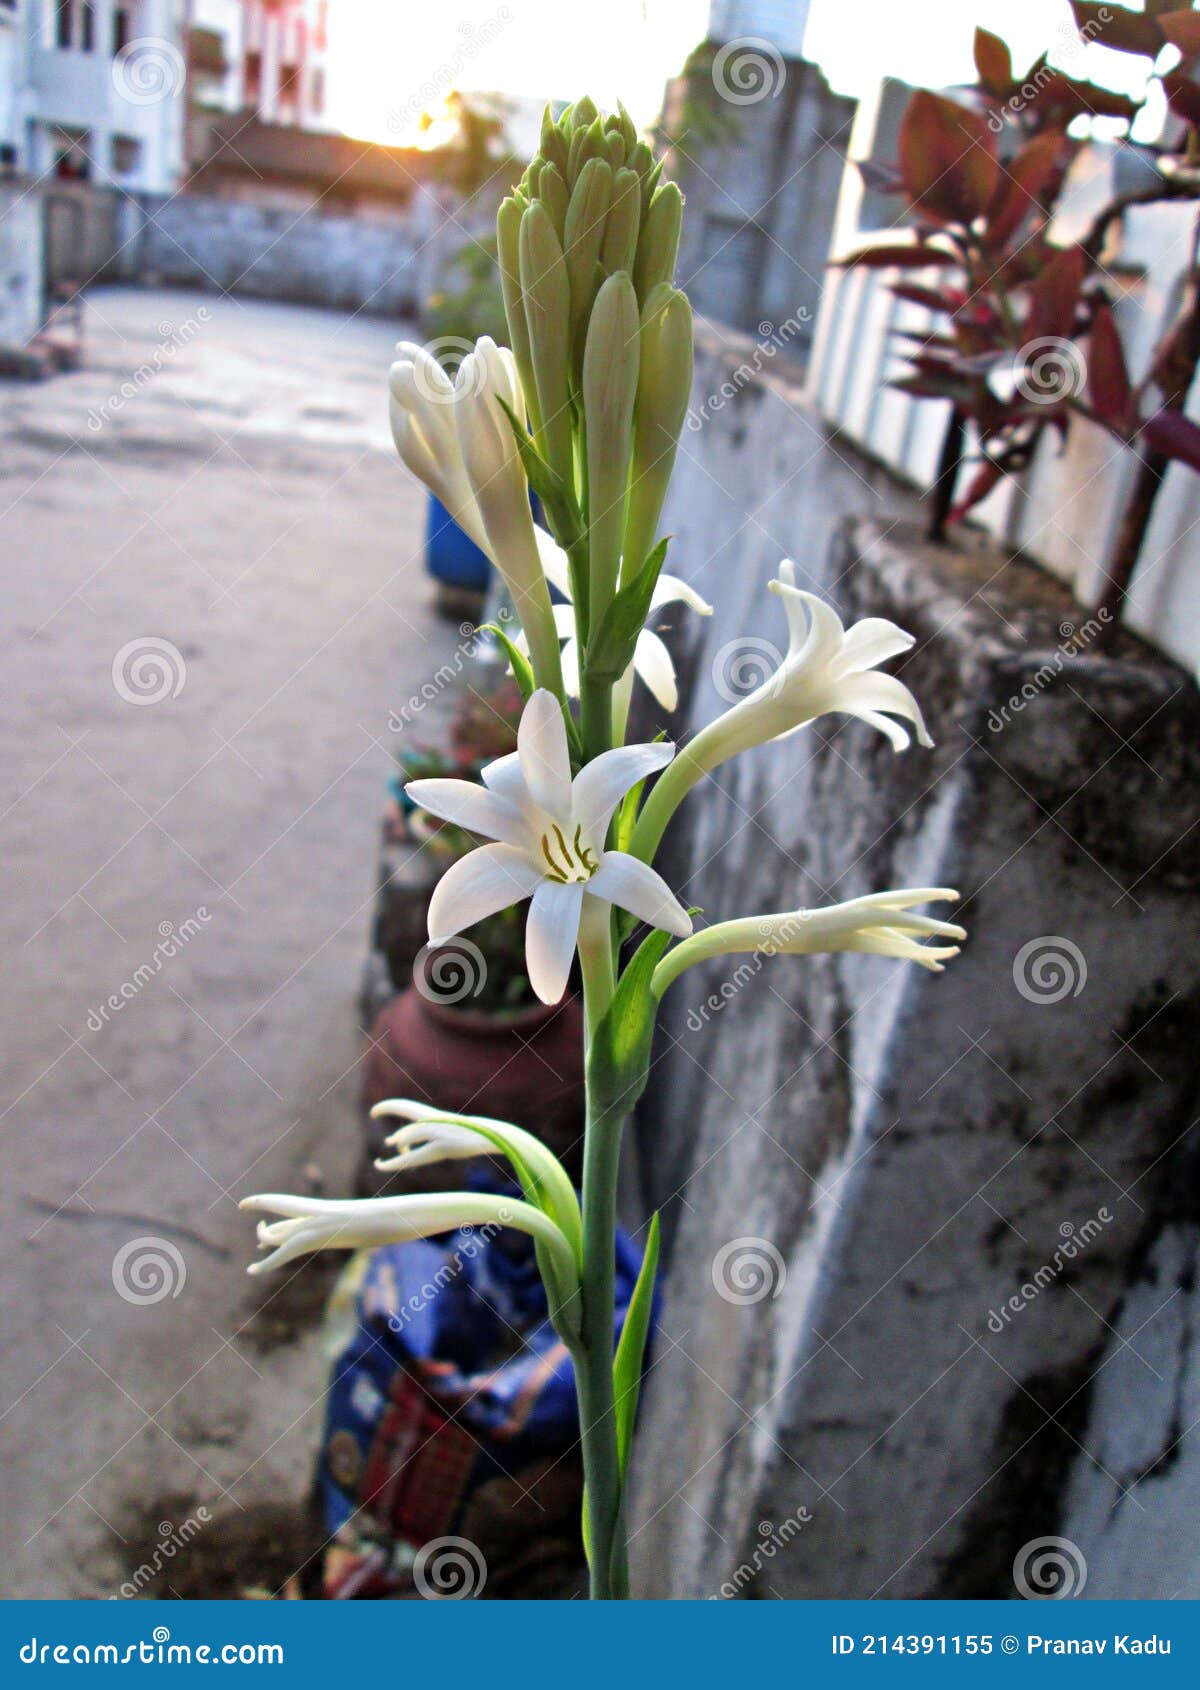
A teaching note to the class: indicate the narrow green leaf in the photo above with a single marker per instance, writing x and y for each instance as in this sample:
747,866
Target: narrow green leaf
619,1058
522,672
610,646
627,1367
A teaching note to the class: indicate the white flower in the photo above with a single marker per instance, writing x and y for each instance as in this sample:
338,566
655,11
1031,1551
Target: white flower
314,1223
651,659
454,436
880,924
827,669
550,831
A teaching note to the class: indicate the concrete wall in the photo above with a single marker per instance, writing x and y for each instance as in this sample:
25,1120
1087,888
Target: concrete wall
382,266
20,262
861,1166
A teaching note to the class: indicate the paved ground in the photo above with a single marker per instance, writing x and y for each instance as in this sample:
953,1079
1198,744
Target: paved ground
241,510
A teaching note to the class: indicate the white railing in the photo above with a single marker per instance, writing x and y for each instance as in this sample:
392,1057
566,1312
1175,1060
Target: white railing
1064,509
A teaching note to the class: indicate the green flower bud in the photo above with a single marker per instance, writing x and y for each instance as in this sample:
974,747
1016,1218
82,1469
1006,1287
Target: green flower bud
552,146
583,234
508,236
658,244
664,385
552,191
610,382
624,219
546,298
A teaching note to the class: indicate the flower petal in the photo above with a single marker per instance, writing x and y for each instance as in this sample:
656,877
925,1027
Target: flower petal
873,641
652,663
871,694
601,784
554,562
550,936
634,886
476,886
542,748
473,807
672,589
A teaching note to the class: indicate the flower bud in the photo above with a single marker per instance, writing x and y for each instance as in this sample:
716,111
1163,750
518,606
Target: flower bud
664,385
508,245
610,380
658,244
583,235
545,296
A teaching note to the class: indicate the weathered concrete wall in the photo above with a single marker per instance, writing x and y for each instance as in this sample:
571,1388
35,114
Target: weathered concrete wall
20,262
382,266
862,1164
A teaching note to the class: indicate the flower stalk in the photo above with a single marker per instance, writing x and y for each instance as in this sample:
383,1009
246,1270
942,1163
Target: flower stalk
586,410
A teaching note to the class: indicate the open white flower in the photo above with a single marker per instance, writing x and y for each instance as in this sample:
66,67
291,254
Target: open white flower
313,1223
454,436
881,924
651,659
550,832
827,669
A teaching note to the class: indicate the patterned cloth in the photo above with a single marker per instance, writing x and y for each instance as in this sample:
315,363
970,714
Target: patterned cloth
451,1414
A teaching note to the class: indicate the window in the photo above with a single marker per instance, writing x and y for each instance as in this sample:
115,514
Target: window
75,24
318,91
252,78
122,28
87,31
125,155
65,24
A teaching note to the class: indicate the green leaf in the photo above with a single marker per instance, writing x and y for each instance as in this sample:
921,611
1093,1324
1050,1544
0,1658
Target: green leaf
627,1367
521,669
619,1058
609,650
545,482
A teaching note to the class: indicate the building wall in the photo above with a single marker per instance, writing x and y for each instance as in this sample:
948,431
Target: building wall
761,180
20,262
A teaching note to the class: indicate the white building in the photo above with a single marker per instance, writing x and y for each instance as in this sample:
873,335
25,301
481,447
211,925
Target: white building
283,66
94,89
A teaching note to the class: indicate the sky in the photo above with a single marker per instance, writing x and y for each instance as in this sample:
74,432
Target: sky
391,59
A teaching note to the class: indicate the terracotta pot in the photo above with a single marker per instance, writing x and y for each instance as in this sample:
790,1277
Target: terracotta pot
526,1067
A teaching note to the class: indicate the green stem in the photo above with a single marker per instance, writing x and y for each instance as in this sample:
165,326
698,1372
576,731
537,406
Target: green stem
594,1360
